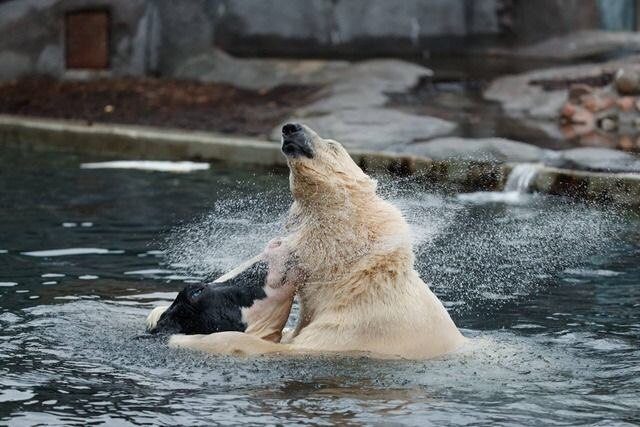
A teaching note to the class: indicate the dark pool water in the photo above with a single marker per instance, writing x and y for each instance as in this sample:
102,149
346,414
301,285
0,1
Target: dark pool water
549,290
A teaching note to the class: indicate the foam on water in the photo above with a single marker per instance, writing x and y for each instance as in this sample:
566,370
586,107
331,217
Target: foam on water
149,272
510,197
68,252
589,272
7,284
149,165
169,296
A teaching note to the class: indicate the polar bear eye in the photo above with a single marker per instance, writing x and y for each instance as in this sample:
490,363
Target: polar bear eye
334,147
195,293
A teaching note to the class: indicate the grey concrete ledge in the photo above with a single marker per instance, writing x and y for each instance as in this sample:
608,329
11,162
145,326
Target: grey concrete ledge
152,143
135,141
620,189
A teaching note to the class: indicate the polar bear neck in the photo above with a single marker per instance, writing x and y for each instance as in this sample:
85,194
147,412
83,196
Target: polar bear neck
365,258
352,255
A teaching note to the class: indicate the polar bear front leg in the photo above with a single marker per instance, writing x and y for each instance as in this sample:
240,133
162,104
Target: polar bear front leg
153,317
228,343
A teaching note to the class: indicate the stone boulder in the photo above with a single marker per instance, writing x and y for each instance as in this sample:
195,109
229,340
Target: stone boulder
365,85
598,159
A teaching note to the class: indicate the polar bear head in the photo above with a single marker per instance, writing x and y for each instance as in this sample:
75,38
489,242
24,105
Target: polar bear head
322,172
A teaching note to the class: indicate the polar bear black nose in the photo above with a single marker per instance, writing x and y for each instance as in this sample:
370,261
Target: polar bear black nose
290,129
296,142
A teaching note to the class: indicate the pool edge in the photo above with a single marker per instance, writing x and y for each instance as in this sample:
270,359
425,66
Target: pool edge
139,142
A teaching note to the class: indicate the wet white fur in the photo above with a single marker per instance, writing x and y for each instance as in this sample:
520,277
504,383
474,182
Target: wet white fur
361,293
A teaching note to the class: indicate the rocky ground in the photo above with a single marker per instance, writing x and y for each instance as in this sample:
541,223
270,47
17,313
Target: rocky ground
184,104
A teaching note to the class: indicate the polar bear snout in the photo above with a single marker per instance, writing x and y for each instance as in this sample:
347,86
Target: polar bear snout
290,129
295,141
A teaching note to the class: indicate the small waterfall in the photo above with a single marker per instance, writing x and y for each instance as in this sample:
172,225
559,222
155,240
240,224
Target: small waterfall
415,32
520,178
517,186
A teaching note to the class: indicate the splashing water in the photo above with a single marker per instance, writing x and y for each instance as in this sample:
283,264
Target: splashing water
474,255
480,255
236,229
490,254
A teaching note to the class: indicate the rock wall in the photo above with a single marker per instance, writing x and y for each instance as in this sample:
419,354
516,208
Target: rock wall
349,27
32,36
539,19
156,36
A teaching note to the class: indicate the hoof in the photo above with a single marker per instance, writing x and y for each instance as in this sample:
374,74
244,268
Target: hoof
153,318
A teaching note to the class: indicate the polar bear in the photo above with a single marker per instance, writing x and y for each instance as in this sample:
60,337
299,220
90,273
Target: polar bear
361,292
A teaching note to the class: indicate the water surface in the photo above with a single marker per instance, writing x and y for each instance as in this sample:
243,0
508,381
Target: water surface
548,289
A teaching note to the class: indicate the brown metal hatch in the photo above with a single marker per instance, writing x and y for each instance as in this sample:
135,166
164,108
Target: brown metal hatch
87,39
